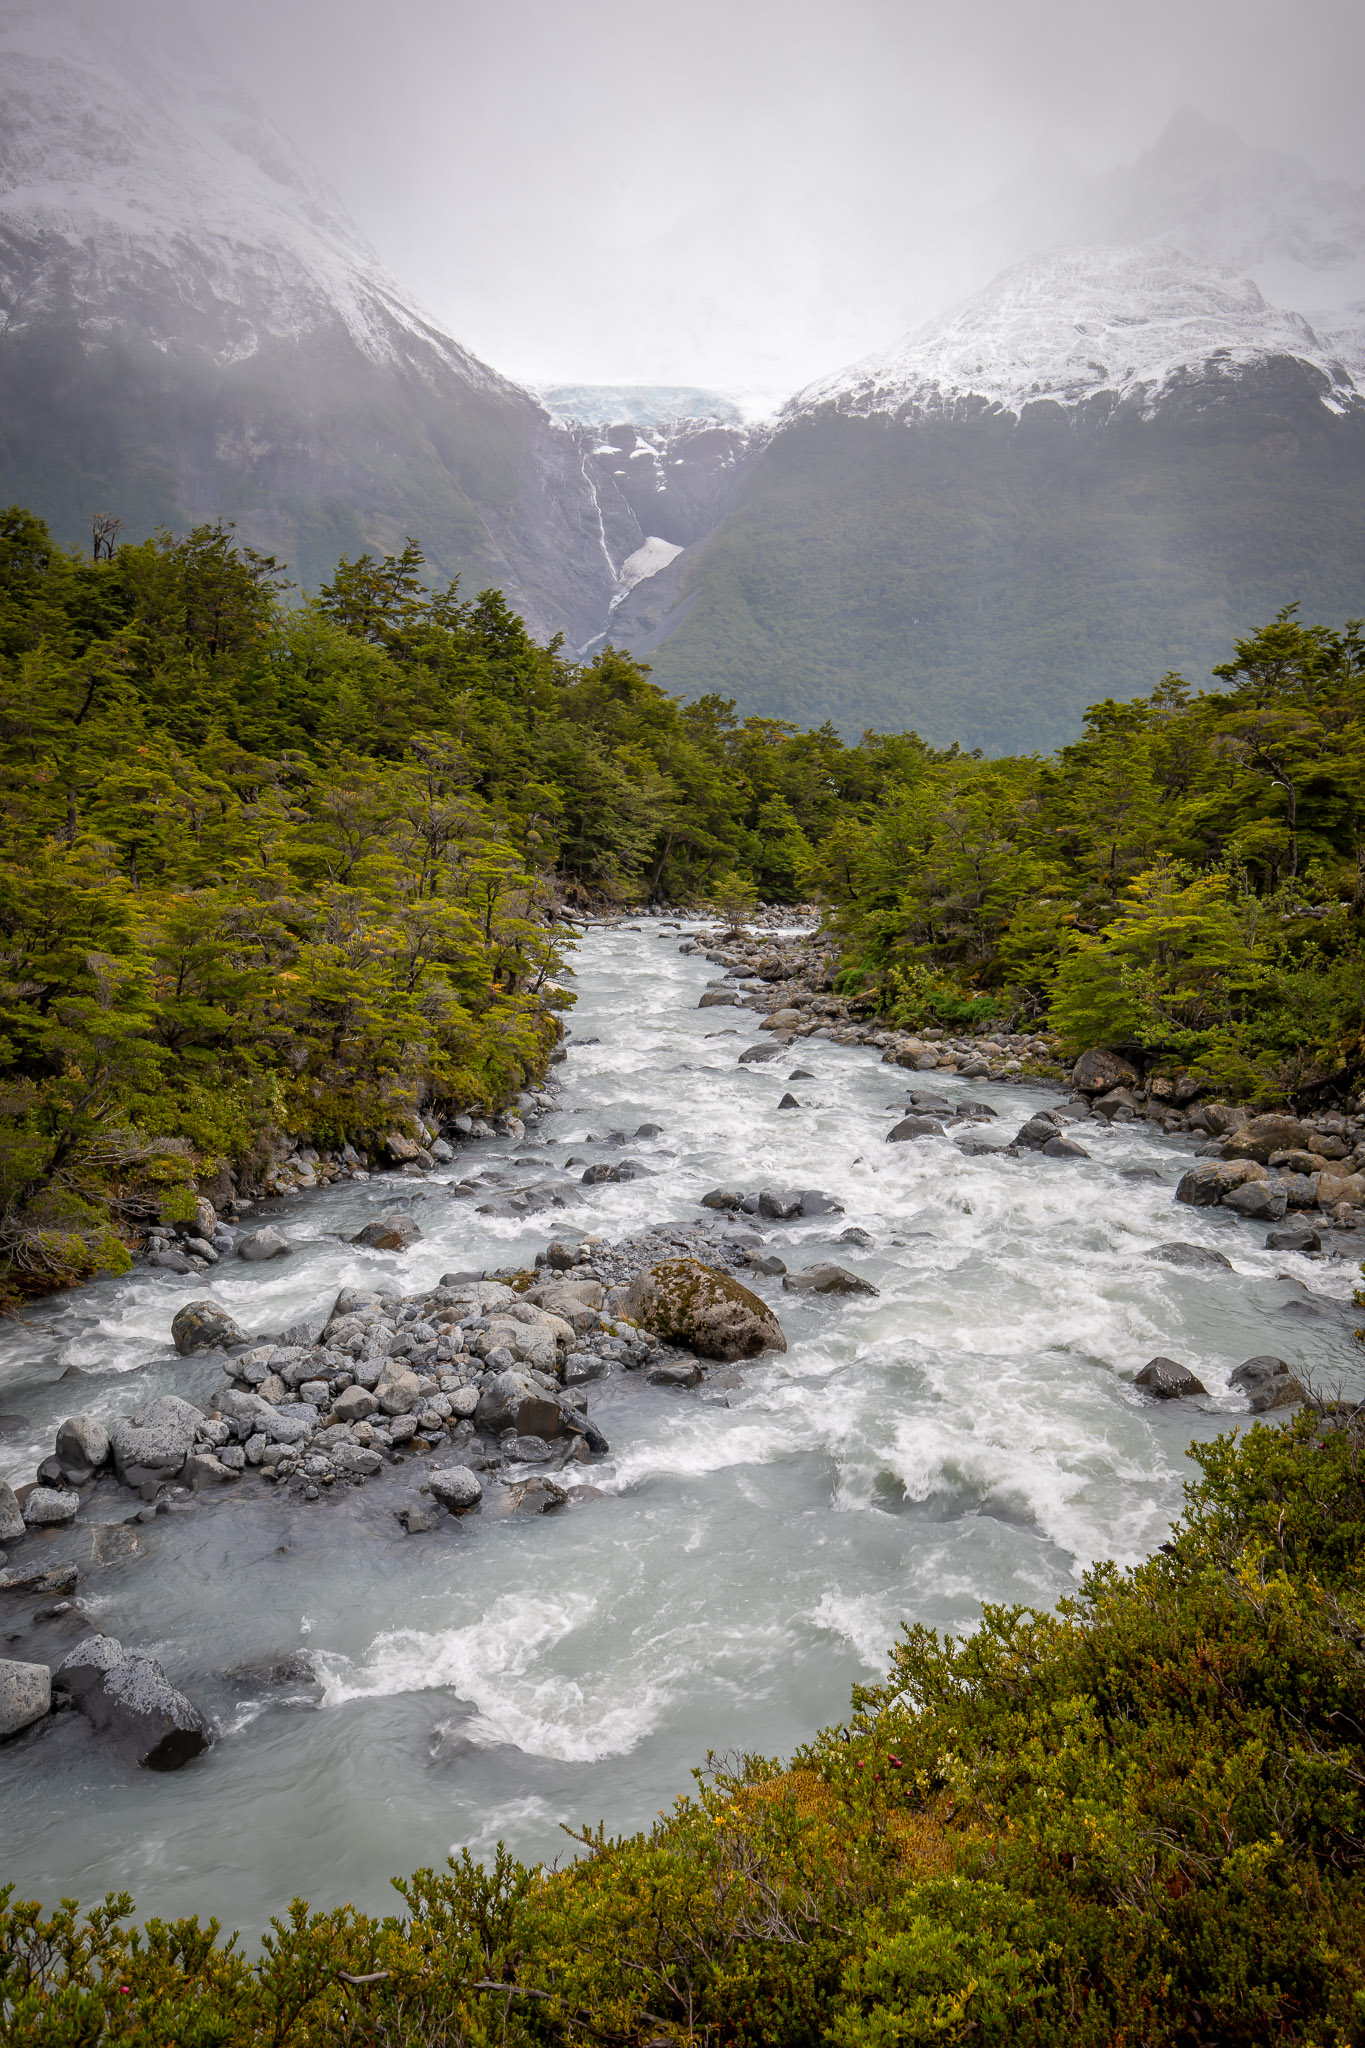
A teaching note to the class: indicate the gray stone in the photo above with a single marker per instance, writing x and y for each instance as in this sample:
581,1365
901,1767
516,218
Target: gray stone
815,1203
526,1450
265,1243
48,1507
1296,1237
1195,1255
1262,1201
11,1515
1039,1131
718,999
1063,1148
1267,1383
214,1468
1168,1381
756,1055
513,1400
538,1497
129,1698
390,1234
152,1445
25,1695
677,1373
1099,1070
856,1235
1205,1185
356,1460
82,1447
456,1487
827,1279
914,1127
38,1578
686,1303
778,1204
789,1101
354,1404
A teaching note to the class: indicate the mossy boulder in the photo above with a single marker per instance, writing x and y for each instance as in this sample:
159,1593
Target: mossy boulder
683,1302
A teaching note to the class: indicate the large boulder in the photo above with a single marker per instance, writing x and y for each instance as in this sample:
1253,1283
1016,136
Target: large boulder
513,1400
1267,1383
152,1446
1205,1185
1263,1135
685,1303
718,999
1168,1381
1261,1201
82,1448
827,1279
1099,1070
128,1697
25,1695
49,1507
456,1487
204,1326
265,1243
390,1233
11,1515
914,1127
1333,1188
39,1578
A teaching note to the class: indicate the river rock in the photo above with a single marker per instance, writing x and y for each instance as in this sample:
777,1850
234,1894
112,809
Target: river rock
152,1445
1262,1201
204,1326
356,1460
1262,1135
827,1279
11,1515
914,1127
1099,1070
265,1243
82,1447
171,1261
389,1233
722,1198
686,1303
1205,1185
354,1404
456,1487
1296,1237
49,1507
779,1204
1063,1148
39,1578
513,1400
1168,1381
1333,1188
789,1101
398,1394
1196,1255
1267,1383
25,1695
128,1697
718,999
537,1497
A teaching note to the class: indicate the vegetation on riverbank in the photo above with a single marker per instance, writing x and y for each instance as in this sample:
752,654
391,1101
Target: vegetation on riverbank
1139,1819
290,870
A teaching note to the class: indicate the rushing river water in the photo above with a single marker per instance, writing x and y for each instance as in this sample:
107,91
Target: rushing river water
970,1435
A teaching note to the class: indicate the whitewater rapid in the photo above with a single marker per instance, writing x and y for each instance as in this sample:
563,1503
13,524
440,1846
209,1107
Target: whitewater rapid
969,1435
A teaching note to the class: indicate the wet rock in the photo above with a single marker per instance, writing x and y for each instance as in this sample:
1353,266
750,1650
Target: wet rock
1205,1185
827,1279
206,1468
514,1400
1099,1070
1262,1135
352,1300
779,1204
82,1448
789,1101
1063,1148
152,1445
1196,1255
537,1497
1141,1173
526,1450
757,1054
815,1203
128,1697
766,1262
856,1235
1261,1201
204,1326
266,1243
389,1233
914,1127
456,1487
684,1372
1267,1383
1296,1237
171,1261
1118,1106
49,1507
38,1578
25,1695
685,1303
718,999
1168,1381
11,1515
419,1516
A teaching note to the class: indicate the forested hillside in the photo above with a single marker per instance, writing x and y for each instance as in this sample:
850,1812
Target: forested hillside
276,867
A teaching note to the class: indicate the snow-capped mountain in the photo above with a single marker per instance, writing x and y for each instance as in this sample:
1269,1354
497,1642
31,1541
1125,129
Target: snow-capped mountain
1100,326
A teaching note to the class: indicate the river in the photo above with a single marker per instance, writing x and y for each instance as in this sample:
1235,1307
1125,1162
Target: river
969,1435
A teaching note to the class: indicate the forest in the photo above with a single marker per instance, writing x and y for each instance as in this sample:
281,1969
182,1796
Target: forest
275,864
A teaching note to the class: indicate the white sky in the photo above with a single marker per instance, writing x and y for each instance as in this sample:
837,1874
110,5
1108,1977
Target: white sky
744,193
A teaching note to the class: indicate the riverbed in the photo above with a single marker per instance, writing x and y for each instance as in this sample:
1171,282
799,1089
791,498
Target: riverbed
971,1434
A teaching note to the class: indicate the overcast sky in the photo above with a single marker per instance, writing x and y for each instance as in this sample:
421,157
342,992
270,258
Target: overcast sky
742,192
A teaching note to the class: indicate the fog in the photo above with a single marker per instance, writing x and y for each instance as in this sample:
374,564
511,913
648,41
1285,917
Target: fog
750,194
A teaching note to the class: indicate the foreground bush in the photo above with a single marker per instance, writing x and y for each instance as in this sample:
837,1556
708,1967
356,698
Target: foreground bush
1136,1820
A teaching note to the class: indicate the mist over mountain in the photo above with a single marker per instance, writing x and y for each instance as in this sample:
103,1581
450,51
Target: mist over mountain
1099,465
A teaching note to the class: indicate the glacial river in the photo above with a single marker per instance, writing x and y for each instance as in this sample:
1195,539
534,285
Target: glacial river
970,1435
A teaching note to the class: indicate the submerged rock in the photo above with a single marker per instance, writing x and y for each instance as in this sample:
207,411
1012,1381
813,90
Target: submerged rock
1267,1383
1179,1254
827,1279
128,1697
686,1303
1168,1381
25,1695
390,1233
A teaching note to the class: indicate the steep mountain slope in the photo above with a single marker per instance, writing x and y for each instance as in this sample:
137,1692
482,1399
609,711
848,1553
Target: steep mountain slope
190,326
1101,467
